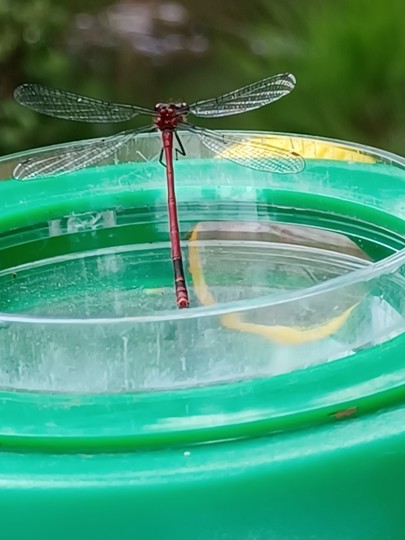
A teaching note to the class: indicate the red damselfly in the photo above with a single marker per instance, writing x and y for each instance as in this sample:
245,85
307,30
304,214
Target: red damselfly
168,117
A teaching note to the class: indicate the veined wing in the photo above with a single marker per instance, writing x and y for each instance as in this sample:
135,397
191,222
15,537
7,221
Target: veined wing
74,156
250,151
69,106
247,98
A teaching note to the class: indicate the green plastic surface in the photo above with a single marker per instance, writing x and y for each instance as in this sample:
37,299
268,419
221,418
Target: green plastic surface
313,454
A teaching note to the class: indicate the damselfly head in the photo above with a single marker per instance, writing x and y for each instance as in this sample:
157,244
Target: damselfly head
172,108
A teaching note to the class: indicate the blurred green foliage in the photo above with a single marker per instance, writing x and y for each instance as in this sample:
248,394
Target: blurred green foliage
348,57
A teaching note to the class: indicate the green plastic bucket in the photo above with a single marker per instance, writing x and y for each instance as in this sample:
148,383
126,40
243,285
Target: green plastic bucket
124,418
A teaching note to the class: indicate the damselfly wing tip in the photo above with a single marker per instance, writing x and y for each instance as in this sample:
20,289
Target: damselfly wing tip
292,78
17,91
18,171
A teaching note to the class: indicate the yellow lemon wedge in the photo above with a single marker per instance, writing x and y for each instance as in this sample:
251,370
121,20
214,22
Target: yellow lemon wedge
306,148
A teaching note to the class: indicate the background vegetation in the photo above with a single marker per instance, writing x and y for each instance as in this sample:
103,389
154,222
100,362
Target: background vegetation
348,56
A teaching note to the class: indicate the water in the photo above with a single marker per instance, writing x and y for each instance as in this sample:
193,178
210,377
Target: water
97,268
136,280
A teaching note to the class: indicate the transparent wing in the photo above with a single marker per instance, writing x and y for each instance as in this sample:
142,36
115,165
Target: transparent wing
73,157
247,98
69,106
250,151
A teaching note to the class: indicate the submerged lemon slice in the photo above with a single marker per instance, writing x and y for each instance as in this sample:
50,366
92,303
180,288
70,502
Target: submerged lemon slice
308,149
285,335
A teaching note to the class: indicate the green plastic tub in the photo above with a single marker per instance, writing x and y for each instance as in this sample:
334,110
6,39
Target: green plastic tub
274,408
